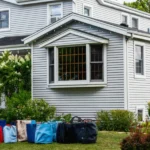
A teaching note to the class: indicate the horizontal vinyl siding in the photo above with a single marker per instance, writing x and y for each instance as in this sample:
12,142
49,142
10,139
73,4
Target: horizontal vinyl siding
139,89
25,20
109,14
84,102
71,38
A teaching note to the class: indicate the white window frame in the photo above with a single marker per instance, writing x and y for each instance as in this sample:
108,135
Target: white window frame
137,19
80,83
138,76
141,107
90,7
6,29
48,11
74,2
125,14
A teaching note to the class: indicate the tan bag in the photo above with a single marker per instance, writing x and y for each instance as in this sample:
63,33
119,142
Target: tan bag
21,130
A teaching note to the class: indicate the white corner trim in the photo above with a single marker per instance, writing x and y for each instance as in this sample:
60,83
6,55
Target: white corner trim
128,18
32,48
144,59
136,17
79,18
125,51
48,10
90,7
78,33
6,29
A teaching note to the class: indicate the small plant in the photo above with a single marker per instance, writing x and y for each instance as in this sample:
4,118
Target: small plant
115,120
138,139
65,118
39,110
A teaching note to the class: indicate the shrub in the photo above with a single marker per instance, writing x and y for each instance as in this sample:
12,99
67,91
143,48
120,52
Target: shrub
115,120
20,106
15,73
39,110
66,118
137,140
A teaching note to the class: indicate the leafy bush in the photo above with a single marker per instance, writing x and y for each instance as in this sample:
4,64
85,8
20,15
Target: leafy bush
63,117
15,73
20,106
115,120
39,110
137,140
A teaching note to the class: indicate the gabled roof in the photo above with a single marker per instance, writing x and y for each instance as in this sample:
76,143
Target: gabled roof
79,33
75,17
87,20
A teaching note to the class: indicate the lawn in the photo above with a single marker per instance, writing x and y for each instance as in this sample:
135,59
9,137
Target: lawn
106,141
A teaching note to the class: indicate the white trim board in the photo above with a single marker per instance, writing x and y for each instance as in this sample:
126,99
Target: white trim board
14,47
78,33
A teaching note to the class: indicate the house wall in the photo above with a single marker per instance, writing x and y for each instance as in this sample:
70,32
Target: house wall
110,14
25,20
84,102
139,89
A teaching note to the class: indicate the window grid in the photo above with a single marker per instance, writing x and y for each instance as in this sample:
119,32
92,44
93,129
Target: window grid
51,65
96,62
139,60
72,63
4,19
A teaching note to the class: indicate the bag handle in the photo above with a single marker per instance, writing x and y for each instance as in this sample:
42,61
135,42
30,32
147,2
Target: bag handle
79,119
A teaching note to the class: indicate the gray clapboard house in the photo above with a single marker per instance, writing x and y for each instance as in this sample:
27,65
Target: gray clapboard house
87,55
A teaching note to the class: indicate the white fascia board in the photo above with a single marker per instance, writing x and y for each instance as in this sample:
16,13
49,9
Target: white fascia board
14,47
79,18
78,33
30,2
123,8
141,37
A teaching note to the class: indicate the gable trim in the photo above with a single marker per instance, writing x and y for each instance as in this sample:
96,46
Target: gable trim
79,18
75,32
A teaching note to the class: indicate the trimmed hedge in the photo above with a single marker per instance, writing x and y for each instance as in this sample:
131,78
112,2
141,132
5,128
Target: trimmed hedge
115,120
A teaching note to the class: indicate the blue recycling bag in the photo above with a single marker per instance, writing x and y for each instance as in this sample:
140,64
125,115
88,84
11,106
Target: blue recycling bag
31,128
2,123
54,127
10,134
44,133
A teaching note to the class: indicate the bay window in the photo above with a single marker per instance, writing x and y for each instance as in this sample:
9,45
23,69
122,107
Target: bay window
77,65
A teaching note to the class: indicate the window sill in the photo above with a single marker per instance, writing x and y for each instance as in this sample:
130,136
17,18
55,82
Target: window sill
55,86
140,77
5,29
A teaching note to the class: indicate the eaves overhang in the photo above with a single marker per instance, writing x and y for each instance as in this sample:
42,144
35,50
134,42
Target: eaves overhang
79,18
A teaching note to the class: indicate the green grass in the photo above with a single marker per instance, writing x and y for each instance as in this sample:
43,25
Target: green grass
106,141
